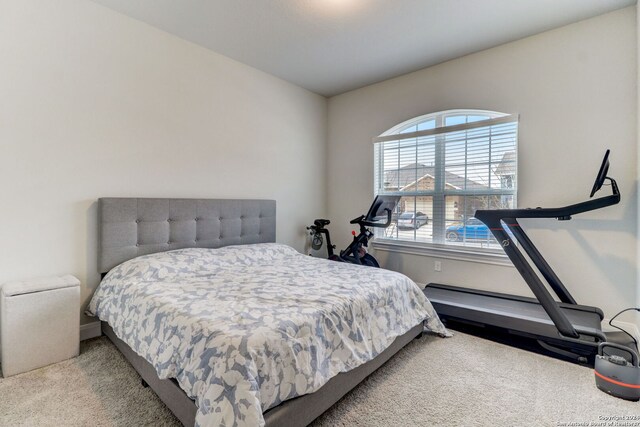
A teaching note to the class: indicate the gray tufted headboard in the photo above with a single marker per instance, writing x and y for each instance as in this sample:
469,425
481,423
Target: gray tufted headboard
130,227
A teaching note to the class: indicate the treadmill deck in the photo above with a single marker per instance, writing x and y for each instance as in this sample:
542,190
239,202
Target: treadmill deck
520,315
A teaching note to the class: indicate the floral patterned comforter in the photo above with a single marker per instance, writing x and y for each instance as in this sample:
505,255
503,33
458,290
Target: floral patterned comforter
244,328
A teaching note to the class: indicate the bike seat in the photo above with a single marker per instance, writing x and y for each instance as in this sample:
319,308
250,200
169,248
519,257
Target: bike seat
320,223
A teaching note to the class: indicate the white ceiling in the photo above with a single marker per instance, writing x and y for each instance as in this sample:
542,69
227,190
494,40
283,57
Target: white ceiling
333,46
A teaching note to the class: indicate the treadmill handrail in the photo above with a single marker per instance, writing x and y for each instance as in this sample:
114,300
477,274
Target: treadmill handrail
561,212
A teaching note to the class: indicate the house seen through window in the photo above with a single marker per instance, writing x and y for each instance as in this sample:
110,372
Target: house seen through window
445,166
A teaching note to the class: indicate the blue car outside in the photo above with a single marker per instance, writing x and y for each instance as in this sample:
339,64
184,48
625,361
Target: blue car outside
473,229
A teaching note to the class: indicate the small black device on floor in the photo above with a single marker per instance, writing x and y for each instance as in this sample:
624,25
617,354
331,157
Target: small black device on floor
615,374
617,367
378,216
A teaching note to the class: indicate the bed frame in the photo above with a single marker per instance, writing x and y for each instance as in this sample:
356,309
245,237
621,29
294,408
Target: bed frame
130,227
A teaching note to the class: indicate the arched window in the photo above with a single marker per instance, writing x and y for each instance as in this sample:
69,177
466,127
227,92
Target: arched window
446,165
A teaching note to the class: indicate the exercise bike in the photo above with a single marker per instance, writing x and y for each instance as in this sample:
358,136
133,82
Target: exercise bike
378,216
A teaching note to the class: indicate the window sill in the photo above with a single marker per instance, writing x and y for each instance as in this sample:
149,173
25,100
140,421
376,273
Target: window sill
487,256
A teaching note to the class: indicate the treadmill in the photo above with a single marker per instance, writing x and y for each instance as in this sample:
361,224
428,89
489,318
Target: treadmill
563,328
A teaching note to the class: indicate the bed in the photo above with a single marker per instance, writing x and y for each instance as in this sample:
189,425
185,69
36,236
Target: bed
229,327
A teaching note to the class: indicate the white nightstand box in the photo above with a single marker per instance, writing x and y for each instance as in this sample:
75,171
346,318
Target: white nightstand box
39,323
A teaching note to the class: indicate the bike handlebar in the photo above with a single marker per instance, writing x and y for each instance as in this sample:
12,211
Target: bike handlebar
378,224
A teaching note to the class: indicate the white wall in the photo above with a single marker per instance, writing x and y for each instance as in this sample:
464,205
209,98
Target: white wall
575,91
94,104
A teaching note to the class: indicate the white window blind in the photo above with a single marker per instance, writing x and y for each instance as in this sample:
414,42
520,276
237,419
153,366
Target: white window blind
446,166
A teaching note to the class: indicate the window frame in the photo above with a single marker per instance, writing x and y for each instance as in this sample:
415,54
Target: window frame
440,248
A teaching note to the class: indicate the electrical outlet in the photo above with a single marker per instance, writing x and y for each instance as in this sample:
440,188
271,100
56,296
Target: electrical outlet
437,266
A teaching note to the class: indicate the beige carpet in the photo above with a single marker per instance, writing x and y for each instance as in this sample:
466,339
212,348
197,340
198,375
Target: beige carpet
461,381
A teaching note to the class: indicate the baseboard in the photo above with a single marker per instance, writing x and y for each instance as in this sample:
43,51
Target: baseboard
90,330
